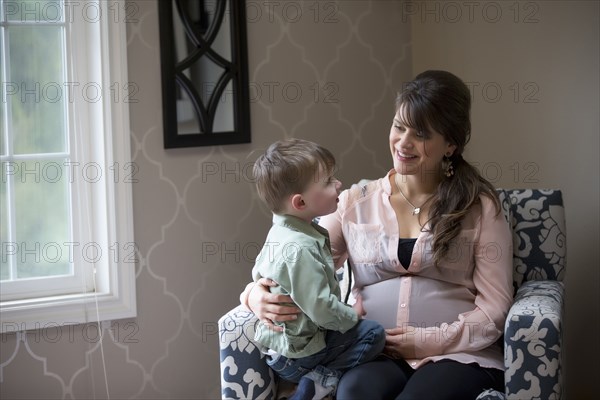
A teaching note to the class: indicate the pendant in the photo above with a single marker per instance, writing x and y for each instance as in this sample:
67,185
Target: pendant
416,210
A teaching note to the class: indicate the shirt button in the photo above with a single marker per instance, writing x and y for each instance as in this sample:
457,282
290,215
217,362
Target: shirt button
403,305
413,363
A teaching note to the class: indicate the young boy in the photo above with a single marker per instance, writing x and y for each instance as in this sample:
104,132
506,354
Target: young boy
295,179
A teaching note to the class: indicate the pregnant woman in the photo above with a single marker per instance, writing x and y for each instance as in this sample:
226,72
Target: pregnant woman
431,255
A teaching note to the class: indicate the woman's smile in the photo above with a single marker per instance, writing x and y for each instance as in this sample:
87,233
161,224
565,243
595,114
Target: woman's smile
405,156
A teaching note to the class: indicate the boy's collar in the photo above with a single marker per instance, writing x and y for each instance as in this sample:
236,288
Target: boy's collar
298,224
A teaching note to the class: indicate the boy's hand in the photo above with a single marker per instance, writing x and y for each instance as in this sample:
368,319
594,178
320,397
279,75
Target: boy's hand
358,307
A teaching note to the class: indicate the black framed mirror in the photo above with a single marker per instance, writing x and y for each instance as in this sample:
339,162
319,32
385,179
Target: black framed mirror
204,63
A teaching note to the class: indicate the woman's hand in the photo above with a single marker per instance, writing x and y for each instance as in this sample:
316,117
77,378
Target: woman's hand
400,342
266,305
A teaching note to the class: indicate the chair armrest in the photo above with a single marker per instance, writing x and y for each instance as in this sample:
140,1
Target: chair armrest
533,342
491,394
244,371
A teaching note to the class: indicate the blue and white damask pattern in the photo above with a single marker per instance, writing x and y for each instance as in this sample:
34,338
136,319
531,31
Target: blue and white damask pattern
533,331
533,342
244,372
539,236
490,394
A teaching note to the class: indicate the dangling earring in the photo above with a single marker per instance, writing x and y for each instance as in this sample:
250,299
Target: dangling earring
449,170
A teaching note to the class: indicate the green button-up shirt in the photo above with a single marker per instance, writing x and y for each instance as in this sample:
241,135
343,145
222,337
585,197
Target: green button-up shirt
297,256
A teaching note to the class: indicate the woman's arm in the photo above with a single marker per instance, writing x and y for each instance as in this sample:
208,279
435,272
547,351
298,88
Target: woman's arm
266,305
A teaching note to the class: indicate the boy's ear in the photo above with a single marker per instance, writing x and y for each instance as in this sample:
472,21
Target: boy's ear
297,202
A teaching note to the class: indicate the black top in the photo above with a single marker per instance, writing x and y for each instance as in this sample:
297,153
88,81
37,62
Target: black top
405,250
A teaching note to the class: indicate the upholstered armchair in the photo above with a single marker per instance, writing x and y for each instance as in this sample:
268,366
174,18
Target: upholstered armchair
533,331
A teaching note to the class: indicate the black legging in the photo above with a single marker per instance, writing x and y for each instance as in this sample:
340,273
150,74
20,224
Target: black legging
386,379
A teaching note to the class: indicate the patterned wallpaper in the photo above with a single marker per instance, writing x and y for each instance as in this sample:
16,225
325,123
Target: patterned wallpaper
326,71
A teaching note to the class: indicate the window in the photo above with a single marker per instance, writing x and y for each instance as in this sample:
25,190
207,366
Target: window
66,230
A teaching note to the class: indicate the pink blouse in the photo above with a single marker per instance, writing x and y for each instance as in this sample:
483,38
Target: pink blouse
458,308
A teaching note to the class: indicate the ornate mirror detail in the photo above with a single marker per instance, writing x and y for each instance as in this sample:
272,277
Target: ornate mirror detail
204,72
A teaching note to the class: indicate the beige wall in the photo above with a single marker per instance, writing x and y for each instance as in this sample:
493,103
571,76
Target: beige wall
534,74
198,223
198,231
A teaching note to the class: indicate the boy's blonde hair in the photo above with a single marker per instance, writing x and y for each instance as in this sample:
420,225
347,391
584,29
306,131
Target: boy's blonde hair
288,167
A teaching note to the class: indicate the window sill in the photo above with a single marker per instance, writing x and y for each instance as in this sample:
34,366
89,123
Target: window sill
48,312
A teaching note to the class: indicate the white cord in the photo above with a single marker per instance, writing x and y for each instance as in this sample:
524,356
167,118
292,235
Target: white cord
85,204
79,151
101,332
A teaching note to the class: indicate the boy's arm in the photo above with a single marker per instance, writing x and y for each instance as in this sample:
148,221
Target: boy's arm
306,279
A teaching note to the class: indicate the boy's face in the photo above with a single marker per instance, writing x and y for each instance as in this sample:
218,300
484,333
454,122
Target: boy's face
321,196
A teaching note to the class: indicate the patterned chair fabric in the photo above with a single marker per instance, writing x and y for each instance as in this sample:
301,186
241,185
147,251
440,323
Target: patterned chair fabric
533,331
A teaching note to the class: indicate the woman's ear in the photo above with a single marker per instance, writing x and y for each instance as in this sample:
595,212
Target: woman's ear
450,149
297,202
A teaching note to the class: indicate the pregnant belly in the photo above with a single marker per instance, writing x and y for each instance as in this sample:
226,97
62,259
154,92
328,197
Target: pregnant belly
425,302
380,301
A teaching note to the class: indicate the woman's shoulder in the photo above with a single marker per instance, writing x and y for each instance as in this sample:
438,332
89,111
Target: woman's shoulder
489,202
361,191
488,209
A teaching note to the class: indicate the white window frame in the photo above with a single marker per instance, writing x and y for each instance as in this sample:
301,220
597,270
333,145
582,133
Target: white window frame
103,209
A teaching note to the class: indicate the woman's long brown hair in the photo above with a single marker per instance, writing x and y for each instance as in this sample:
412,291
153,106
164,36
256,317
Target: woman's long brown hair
441,101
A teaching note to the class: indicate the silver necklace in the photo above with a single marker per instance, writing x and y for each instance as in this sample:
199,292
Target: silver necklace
416,210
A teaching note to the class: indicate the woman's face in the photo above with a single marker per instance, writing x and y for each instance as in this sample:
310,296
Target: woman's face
417,152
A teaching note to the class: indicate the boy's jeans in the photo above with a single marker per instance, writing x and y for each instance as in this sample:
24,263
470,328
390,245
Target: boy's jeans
342,351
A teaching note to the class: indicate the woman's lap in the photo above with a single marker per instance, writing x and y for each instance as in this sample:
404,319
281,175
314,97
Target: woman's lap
382,378
386,379
449,380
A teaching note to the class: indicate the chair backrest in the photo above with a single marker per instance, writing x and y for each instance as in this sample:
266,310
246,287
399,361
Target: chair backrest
537,219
